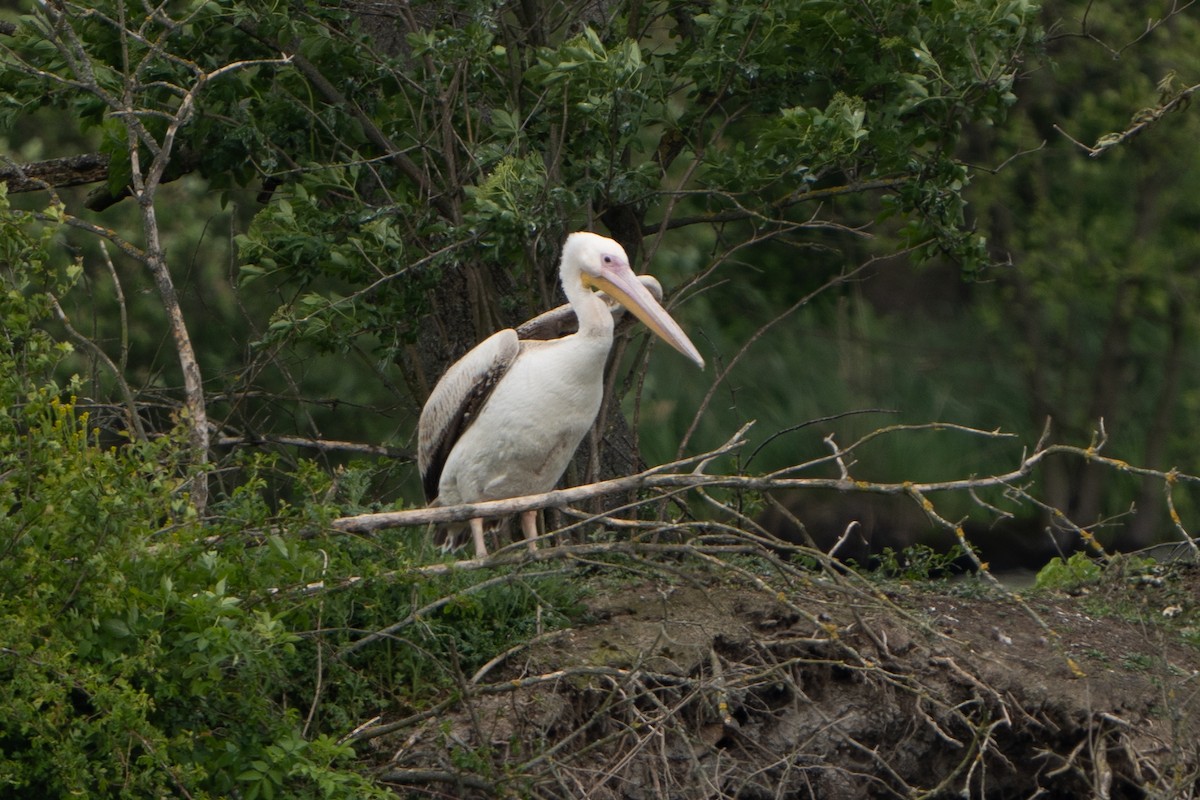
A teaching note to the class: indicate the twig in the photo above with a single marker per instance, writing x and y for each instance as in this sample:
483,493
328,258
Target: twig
838,456
429,608
758,334
850,528
365,523
320,445
655,478
808,424
523,645
1142,120
1175,520
135,421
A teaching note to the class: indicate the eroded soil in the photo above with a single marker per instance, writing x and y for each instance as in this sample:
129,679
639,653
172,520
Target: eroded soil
834,688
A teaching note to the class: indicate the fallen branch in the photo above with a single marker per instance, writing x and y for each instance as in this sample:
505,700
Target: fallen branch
665,477
366,523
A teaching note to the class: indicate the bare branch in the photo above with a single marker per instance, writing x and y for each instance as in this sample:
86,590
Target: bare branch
740,213
662,477
1142,120
758,334
320,445
131,412
55,172
364,523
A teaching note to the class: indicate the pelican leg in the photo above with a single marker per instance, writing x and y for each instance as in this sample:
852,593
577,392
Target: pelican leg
477,535
529,525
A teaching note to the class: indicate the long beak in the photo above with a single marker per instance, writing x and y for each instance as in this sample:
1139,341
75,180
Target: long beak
624,287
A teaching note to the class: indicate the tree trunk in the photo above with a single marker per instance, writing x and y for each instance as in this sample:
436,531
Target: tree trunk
1146,523
1107,391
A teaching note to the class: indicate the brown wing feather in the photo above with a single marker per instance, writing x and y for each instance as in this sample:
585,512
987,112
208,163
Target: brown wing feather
456,400
553,324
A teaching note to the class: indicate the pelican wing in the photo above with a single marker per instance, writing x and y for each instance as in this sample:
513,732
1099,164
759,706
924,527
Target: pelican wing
553,324
559,322
456,400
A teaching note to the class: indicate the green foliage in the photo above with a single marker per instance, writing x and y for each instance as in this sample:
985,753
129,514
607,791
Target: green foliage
149,652
143,657
146,654
137,659
1069,574
441,629
297,234
857,92
1090,317
917,563
474,146
1191,636
819,96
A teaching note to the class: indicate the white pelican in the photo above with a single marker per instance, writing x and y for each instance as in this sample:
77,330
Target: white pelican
506,418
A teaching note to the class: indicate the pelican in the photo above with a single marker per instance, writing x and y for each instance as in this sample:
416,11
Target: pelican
506,418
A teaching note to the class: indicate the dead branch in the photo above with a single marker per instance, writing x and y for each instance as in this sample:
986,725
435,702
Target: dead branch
749,343
131,413
320,445
412,777
55,172
366,523
703,719
662,478
1142,120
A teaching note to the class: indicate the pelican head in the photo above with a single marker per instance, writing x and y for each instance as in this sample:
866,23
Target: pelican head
601,264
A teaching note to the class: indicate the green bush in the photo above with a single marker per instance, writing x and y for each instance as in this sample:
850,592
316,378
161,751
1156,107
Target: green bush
138,657
1069,574
145,652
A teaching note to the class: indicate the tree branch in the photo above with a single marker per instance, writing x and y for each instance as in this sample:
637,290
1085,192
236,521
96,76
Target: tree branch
320,445
55,172
135,421
365,523
740,213
663,477
1142,120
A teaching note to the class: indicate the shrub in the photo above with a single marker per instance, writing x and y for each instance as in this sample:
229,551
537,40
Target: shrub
138,656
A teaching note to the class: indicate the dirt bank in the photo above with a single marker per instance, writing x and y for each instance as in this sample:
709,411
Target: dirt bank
736,684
